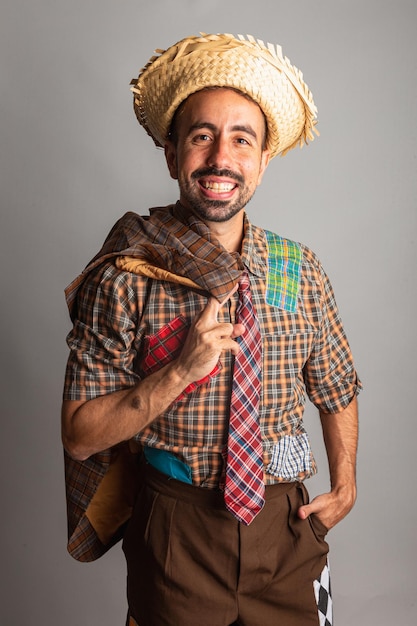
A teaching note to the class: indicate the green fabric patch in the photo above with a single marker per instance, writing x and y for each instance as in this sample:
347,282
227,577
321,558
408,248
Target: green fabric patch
284,271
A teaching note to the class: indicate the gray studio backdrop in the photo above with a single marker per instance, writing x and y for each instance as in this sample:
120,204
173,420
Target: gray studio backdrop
73,159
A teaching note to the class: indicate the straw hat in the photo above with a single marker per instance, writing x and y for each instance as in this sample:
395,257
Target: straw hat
258,70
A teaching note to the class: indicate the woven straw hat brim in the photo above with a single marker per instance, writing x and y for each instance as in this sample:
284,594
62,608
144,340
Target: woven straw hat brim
258,70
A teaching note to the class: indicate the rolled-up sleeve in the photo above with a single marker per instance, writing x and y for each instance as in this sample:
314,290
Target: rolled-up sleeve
102,340
330,376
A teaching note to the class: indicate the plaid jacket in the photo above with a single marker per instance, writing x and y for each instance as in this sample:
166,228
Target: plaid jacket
131,309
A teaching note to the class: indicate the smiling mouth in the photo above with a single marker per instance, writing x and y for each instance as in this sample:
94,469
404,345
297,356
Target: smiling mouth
217,181
217,187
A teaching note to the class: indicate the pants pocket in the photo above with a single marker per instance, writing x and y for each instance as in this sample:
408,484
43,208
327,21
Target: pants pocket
318,528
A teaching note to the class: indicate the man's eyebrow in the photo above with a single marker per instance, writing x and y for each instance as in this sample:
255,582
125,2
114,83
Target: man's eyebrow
236,128
201,125
245,129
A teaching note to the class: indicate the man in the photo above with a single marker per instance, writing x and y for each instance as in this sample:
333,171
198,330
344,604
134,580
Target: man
196,336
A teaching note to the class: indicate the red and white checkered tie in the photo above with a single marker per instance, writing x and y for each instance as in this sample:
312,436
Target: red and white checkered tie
244,486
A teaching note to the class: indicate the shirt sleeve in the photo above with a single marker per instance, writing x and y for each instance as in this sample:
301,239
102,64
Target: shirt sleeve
329,373
102,340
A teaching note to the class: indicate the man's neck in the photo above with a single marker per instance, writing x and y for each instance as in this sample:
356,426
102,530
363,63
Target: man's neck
231,239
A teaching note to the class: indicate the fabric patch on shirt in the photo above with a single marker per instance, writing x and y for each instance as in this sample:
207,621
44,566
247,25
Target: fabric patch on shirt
284,272
165,345
168,464
291,456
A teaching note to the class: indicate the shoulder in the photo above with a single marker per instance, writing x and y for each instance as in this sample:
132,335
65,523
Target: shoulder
110,290
106,276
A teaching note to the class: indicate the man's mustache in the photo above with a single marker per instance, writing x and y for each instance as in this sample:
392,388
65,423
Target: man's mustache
213,171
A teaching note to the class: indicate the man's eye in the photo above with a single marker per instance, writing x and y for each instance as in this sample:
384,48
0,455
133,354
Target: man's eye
242,141
202,138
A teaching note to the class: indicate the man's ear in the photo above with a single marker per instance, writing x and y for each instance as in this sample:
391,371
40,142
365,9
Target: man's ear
171,159
263,165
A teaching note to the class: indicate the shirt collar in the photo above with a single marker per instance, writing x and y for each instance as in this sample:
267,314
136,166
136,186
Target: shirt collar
254,247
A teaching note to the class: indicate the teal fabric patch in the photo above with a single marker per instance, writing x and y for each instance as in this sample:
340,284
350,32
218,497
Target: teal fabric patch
284,271
168,464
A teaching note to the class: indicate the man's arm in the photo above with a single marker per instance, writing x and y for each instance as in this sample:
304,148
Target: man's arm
95,425
340,432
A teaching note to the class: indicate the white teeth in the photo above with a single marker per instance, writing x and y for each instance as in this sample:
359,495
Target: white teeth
218,186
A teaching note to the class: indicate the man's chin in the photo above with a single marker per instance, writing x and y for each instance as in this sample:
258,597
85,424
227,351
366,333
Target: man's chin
217,211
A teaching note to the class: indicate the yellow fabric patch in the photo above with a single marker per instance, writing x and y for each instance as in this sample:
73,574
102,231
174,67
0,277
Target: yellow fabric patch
113,501
144,268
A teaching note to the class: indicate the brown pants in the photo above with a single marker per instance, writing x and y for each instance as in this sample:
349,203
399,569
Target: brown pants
191,563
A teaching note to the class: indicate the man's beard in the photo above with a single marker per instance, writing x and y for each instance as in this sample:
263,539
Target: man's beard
215,210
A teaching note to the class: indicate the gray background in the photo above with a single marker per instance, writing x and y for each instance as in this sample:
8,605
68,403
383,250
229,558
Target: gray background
73,159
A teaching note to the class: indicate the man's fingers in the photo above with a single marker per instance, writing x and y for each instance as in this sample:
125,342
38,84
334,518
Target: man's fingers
328,507
207,339
317,505
211,310
238,329
304,511
220,335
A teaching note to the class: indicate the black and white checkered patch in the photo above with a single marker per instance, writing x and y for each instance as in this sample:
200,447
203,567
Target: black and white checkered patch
323,593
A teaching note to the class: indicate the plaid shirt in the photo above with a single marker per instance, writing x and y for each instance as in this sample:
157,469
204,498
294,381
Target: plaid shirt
126,325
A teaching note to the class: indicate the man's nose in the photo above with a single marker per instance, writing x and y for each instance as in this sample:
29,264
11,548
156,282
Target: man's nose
219,155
